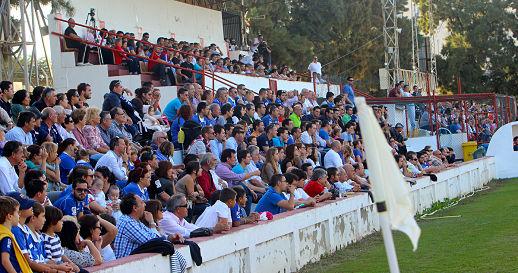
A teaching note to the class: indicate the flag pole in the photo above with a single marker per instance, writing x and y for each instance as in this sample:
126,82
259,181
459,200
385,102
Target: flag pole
388,241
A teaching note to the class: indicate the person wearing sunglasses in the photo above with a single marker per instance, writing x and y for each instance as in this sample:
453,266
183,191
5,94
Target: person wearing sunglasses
74,203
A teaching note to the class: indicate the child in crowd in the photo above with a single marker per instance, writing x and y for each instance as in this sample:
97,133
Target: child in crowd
12,257
114,201
35,246
83,158
155,208
98,193
238,212
218,216
51,241
152,122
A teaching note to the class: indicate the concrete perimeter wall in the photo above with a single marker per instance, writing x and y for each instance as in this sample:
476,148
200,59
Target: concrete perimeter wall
296,238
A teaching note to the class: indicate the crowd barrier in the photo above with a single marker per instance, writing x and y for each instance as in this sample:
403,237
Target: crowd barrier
294,239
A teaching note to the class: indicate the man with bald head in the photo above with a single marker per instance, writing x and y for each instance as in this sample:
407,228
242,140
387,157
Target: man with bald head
332,157
82,56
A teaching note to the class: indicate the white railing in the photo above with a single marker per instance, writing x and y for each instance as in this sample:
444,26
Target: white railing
296,238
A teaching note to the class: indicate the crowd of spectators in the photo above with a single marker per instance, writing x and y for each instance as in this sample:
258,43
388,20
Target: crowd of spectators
185,56
477,119
97,184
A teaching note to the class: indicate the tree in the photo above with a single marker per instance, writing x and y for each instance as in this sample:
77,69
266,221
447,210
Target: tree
483,46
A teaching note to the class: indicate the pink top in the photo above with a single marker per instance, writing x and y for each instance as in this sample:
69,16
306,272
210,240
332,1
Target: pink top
93,137
80,137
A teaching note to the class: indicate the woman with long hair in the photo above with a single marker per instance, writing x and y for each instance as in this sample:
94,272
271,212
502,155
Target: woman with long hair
75,248
66,151
91,227
52,167
188,186
166,176
292,158
36,158
271,165
155,208
20,103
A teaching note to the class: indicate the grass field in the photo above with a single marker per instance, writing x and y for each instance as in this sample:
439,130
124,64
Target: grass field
483,239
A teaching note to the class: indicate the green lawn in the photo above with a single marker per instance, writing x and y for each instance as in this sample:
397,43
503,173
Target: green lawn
483,239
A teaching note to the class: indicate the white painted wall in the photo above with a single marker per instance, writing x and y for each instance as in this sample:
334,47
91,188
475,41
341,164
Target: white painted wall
256,83
288,243
160,18
501,147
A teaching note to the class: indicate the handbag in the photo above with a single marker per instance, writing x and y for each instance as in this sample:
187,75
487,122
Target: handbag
201,232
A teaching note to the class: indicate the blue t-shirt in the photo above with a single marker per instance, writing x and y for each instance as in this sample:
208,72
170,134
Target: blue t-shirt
21,238
134,188
6,245
36,248
357,152
66,165
269,202
171,108
267,119
277,142
70,206
348,90
235,212
238,169
323,134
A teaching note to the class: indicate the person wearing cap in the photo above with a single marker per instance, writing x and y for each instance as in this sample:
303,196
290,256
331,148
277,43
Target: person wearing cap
397,134
12,155
22,131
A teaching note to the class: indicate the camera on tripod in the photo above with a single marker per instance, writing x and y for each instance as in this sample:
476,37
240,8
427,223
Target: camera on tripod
91,15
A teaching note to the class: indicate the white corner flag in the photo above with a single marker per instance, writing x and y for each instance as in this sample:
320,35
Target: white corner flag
387,181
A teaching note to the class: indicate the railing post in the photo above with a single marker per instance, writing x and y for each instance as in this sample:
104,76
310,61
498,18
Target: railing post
315,86
495,110
203,77
213,81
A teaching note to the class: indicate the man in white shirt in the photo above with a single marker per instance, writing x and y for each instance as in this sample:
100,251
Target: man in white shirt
309,136
173,221
218,215
332,158
22,131
315,69
12,155
113,158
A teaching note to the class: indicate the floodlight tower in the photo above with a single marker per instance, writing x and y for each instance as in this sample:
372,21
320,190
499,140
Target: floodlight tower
414,14
18,41
391,40
431,33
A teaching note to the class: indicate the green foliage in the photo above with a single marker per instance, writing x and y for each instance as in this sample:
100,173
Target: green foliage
298,29
57,5
483,47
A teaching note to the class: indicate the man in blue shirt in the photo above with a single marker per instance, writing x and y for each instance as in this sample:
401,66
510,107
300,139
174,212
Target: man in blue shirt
216,145
75,204
171,109
272,117
273,200
349,90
